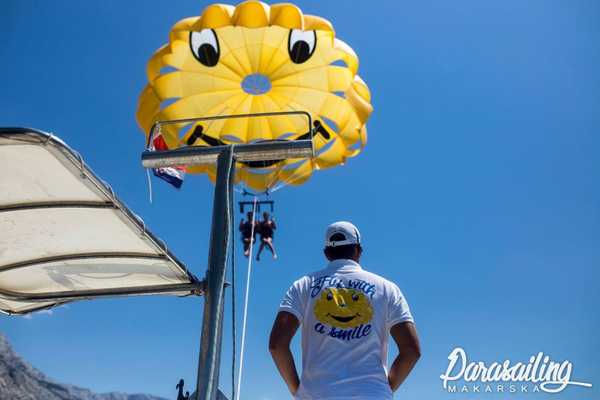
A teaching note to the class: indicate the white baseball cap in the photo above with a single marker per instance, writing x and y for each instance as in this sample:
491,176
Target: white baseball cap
344,228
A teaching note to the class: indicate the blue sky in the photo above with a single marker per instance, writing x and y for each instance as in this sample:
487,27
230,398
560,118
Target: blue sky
477,193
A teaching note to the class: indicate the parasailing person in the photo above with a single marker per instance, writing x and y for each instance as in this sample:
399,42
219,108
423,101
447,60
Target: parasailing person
266,229
248,228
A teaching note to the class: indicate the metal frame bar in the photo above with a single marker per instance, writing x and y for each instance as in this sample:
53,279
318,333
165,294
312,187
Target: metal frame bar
200,155
79,256
57,204
243,205
157,124
196,288
209,360
32,310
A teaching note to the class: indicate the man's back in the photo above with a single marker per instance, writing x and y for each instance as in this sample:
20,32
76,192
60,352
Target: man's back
267,228
246,229
346,314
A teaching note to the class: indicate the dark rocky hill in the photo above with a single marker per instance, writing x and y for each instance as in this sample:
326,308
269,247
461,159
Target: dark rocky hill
20,381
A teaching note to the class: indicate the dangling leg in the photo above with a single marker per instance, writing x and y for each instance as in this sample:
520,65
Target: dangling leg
269,242
246,246
260,249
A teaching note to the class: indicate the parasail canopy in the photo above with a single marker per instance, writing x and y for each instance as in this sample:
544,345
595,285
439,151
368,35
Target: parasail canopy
64,235
254,59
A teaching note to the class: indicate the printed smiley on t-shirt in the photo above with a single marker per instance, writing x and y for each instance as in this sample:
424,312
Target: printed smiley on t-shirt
343,308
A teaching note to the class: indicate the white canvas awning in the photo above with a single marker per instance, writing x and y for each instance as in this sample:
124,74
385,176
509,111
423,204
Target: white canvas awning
65,236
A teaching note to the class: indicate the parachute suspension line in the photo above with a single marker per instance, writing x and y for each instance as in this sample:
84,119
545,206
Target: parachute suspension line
233,302
271,184
246,296
295,176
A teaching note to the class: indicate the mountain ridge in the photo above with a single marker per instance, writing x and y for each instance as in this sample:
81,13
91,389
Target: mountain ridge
21,381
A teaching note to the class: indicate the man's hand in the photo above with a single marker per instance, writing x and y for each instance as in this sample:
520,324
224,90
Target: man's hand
405,336
284,329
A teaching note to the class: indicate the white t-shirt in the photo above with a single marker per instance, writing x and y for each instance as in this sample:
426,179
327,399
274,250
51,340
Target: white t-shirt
346,314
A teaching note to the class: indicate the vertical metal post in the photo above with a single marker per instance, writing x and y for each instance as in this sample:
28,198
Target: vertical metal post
212,321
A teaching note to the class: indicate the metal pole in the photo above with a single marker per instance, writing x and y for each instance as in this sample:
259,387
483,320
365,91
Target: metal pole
212,321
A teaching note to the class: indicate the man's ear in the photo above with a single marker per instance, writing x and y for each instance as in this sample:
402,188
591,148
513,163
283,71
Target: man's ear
326,254
358,252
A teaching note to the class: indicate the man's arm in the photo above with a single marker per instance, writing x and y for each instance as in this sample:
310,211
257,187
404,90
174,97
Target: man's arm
284,329
405,336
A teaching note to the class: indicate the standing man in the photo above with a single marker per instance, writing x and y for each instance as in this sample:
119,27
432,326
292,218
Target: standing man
347,315
266,229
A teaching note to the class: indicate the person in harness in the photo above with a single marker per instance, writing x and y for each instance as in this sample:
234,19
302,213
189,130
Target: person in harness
266,228
248,234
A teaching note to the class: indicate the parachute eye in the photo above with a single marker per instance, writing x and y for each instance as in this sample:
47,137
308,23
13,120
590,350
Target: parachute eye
329,296
205,47
355,297
301,45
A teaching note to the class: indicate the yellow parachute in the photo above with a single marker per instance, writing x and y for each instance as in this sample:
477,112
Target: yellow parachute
252,59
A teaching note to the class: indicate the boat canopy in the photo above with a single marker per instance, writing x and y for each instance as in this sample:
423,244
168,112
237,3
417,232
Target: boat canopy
65,236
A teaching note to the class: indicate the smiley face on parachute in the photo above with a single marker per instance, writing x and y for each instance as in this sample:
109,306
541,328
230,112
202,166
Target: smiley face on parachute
255,58
343,308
